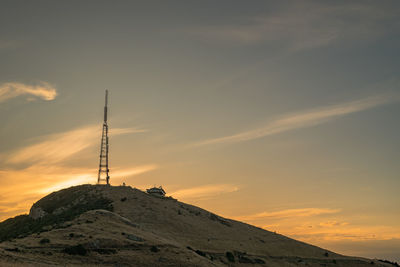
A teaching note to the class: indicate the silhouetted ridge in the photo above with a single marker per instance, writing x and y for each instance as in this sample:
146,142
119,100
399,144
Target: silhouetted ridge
94,225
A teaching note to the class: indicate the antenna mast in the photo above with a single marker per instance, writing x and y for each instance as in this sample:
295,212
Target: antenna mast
103,166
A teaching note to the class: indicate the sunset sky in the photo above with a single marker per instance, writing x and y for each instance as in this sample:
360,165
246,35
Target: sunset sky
282,114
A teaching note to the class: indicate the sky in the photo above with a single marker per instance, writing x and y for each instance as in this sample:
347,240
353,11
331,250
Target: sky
282,114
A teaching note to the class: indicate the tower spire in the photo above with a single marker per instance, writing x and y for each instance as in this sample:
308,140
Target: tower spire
103,165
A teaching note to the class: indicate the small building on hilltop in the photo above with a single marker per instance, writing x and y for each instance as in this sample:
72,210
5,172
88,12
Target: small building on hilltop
157,191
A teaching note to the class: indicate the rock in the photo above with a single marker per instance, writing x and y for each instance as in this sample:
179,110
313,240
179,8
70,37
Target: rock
47,227
36,213
135,238
59,210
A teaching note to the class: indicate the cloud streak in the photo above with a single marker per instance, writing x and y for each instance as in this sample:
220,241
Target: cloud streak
205,191
315,233
60,146
304,119
45,171
88,176
304,25
43,90
32,183
288,213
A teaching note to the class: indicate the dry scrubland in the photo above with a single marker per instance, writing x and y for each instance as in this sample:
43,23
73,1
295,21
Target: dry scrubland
92,225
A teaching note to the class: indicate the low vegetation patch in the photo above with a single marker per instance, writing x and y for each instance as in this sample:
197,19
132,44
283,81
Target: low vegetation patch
390,262
258,261
201,253
76,250
154,249
12,249
230,256
214,217
68,209
105,251
44,241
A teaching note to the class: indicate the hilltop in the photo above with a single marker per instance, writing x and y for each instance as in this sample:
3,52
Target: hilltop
91,225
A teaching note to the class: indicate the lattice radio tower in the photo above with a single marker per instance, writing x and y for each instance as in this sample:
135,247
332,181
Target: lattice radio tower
103,166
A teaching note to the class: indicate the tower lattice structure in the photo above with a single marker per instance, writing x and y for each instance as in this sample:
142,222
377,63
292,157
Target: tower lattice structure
103,165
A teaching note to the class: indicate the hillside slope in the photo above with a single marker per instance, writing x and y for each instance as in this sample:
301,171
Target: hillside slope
121,226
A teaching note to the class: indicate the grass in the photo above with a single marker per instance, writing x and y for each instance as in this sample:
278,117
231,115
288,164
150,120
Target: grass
75,201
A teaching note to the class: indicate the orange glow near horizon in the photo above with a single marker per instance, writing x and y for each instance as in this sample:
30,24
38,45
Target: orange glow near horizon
281,114
311,224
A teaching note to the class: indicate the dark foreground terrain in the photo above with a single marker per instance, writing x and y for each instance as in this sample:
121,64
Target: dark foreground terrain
92,225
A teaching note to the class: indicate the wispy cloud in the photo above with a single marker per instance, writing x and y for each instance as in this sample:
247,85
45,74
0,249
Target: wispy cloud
46,170
30,184
314,233
315,225
303,25
62,180
288,213
332,223
42,90
124,172
204,191
304,119
60,146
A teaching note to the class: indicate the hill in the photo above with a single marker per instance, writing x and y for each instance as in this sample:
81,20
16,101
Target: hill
91,225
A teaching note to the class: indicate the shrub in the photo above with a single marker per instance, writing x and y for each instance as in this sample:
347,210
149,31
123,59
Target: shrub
105,251
259,261
154,249
230,256
201,253
12,249
44,241
244,259
76,250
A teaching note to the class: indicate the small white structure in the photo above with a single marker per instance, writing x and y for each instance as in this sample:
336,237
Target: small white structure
157,191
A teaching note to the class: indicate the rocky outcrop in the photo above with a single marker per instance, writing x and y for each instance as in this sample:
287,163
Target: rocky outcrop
36,213
97,225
